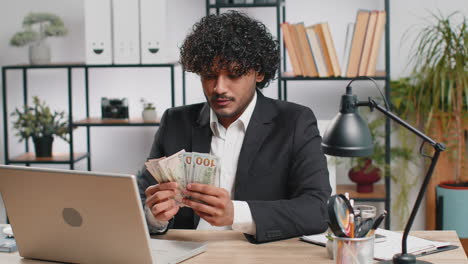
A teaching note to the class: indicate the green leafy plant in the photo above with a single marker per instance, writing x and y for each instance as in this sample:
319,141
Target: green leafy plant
438,85
39,121
147,105
38,26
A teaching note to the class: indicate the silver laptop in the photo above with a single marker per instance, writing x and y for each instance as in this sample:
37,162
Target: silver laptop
83,217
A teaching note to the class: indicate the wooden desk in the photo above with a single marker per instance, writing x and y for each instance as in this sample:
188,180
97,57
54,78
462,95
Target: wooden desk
232,247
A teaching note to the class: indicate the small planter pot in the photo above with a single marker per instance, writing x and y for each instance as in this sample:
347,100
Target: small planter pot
43,146
39,53
452,211
149,115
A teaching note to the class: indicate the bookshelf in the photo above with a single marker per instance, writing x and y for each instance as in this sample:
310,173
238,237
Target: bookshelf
71,157
382,192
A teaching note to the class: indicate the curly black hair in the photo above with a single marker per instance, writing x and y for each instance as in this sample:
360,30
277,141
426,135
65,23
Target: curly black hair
231,41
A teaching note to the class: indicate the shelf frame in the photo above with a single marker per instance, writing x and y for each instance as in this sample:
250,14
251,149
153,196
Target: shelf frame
69,67
286,77
283,78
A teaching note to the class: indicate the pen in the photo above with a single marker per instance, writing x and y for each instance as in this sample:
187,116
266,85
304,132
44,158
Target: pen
377,222
351,225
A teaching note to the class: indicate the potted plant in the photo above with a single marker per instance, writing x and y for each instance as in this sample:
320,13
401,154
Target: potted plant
435,96
149,113
37,27
40,123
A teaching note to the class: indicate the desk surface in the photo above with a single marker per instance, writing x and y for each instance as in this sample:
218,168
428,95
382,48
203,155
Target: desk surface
232,247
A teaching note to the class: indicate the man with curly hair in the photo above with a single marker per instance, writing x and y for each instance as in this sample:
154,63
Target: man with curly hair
274,179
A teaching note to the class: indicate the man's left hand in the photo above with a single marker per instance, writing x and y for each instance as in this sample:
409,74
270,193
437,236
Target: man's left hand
218,210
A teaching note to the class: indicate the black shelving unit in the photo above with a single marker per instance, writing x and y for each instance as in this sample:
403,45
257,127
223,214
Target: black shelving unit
283,79
71,157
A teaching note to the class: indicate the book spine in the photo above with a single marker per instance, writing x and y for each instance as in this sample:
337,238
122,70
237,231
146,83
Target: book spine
317,52
297,48
347,49
376,42
289,47
368,39
309,63
325,52
362,20
331,49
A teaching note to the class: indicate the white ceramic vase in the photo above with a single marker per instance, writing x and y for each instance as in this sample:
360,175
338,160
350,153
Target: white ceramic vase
39,52
149,115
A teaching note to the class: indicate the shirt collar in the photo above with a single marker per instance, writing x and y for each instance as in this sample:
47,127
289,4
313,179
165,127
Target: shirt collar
243,119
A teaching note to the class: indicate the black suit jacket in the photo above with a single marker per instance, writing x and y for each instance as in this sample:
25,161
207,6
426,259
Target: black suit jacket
282,173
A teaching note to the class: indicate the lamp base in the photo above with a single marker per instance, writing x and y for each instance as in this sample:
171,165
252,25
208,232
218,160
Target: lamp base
404,259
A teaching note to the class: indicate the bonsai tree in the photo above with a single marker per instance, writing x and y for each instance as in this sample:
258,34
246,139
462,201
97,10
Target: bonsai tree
38,26
39,121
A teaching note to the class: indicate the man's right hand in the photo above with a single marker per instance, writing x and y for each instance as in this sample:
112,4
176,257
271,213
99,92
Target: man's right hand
159,199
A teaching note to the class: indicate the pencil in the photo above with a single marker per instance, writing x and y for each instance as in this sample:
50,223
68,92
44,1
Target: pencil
351,225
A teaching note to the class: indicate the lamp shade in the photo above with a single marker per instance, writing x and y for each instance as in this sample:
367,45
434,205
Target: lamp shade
348,135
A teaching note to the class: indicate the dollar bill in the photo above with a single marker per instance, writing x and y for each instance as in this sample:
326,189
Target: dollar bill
173,166
184,168
187,158
153,168
205,168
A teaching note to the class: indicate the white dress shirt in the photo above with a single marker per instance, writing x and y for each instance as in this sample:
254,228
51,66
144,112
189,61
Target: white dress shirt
226,143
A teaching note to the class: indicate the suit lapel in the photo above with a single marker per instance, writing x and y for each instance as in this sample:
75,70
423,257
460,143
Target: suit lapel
201,141
201,132
259,128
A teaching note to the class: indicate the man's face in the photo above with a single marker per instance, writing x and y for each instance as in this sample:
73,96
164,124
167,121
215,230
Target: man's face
229,95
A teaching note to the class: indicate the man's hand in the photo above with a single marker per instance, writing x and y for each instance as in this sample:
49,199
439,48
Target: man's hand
159,200
218,210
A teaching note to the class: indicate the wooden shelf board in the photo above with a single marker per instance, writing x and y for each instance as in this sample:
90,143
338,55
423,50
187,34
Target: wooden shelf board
30,157
291,77
97,121
379,192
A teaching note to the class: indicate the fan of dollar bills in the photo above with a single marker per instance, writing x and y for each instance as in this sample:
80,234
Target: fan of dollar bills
184,168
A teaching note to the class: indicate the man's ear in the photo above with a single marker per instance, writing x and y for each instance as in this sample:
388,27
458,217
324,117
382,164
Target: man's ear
259,77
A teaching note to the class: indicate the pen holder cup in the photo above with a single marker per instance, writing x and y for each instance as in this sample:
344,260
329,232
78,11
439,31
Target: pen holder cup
365,211
353,250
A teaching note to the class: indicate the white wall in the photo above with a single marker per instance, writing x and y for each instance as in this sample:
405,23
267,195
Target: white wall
124,149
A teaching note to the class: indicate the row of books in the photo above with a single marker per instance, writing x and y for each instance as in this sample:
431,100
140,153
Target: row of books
312,52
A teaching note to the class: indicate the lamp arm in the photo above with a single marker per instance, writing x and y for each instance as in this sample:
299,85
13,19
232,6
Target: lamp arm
438,147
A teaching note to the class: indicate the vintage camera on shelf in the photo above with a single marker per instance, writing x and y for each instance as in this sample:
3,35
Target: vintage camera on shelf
114,108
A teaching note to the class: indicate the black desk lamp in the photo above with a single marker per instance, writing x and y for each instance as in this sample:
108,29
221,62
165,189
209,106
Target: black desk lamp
349,136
